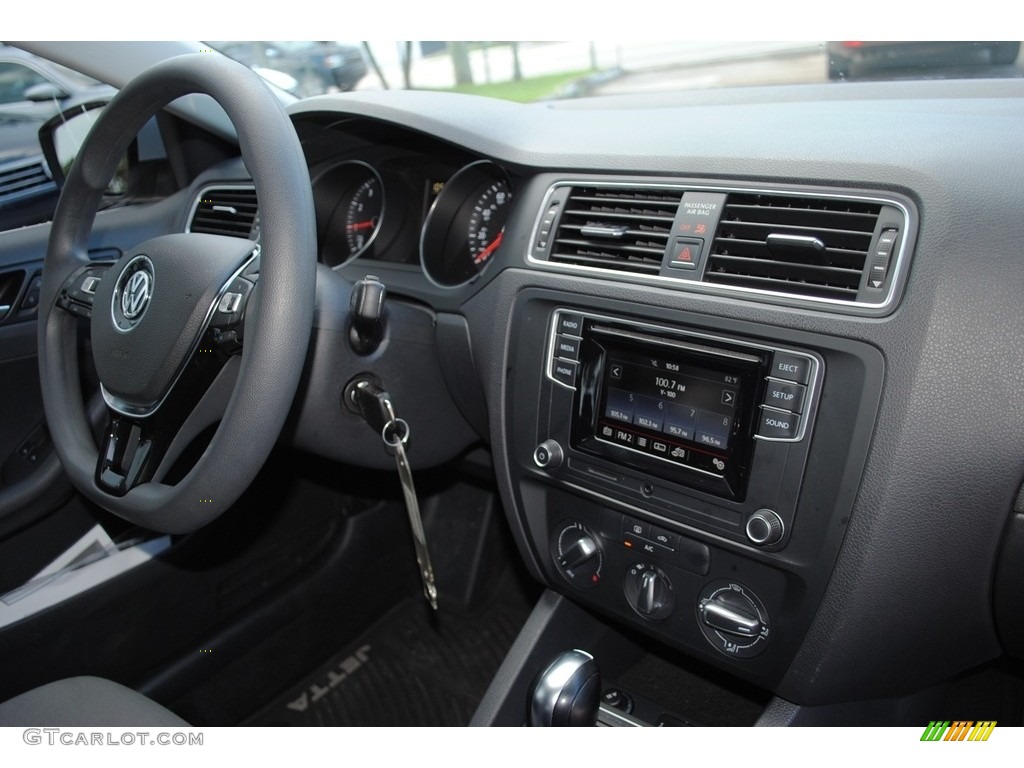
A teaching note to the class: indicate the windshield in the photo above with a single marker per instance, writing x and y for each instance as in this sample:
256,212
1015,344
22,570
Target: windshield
535,71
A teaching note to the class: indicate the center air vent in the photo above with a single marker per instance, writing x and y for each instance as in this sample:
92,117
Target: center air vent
808,246
228,210
621,228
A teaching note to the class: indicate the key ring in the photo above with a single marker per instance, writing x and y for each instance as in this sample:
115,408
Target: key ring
397,427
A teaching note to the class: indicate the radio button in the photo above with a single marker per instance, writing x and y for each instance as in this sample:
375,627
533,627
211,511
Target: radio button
570,324
567,347
791,367
777,424
785,394
564,371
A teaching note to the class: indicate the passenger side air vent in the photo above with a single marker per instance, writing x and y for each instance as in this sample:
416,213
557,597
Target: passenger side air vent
23,179
808,246
226,211
621,228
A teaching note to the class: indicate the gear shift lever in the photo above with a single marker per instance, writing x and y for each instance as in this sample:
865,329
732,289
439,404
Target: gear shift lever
568,692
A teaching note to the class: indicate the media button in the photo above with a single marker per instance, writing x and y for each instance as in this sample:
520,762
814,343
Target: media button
791,367
785,395
570,324
564,371
780,425
567,347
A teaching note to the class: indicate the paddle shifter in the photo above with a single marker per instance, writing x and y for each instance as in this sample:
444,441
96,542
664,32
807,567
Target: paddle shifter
567,692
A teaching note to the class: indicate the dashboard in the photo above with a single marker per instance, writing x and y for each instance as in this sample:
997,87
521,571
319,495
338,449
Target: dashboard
748,363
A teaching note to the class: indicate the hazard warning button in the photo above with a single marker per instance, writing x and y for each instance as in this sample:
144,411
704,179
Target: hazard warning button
685,253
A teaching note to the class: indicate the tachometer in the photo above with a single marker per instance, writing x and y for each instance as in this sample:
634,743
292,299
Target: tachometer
466,224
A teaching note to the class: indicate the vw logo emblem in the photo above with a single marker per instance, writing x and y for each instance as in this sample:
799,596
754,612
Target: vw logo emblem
135,295
132,293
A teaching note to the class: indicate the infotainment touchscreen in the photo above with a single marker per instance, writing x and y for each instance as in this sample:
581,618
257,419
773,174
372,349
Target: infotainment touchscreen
680,409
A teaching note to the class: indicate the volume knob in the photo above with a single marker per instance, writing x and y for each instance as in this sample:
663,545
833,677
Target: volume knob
548,455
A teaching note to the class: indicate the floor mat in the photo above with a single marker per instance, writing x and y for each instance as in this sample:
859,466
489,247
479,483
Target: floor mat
412,668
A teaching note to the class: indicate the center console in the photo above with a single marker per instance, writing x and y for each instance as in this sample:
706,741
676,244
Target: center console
686,480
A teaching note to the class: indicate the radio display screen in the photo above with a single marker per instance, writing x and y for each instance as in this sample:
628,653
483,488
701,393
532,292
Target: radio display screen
680,411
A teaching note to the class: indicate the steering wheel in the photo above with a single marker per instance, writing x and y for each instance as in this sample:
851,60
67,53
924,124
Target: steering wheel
187,330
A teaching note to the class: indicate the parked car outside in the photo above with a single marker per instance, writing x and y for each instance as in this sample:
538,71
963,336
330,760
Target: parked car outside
857,58
318,66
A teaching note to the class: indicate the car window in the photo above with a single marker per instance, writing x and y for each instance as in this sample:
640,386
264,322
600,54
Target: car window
15,79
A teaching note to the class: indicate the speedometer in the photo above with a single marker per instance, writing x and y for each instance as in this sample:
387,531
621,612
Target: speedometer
466,224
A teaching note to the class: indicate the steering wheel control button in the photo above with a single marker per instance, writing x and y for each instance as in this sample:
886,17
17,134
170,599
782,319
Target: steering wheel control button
231,307
791,367
733,619
777,425
548,455
564,372
132,293
785,395
229,303
765,528
649,592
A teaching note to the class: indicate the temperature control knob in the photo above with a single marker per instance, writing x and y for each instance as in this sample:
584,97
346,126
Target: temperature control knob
577,554
649,591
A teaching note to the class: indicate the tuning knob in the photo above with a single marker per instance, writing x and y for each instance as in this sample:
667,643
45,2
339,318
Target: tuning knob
765,528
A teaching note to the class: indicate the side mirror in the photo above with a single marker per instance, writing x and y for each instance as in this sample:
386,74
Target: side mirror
62,136
45,92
